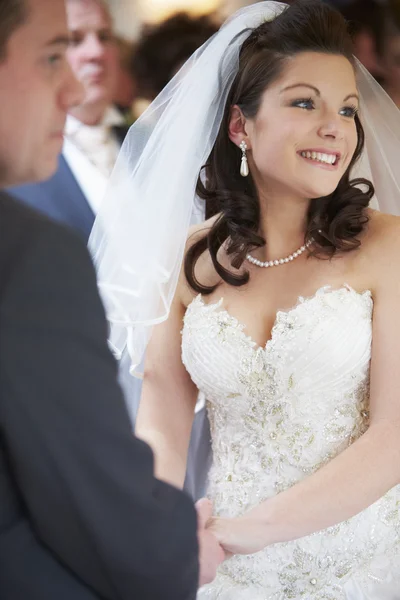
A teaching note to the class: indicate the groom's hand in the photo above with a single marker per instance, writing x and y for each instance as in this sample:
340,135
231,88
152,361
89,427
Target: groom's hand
211,553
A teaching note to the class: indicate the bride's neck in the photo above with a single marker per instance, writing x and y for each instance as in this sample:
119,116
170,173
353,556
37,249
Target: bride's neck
283,224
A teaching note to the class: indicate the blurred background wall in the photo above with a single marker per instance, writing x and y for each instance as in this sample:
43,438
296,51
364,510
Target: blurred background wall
131,14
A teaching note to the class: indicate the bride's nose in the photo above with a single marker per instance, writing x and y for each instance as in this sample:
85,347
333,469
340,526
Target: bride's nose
331,127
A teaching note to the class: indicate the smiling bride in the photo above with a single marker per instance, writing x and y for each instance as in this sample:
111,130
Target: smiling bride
282,307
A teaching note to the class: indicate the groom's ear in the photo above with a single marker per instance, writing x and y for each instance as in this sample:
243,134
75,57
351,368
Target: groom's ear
237,127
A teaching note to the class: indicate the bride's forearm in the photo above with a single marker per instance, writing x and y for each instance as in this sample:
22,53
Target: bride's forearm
169,462
164,421
173,475
348,484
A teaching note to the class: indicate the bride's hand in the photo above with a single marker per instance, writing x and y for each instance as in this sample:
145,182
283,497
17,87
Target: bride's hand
240,535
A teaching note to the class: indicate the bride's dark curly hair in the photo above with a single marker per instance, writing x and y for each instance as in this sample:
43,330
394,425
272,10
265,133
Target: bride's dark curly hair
334,221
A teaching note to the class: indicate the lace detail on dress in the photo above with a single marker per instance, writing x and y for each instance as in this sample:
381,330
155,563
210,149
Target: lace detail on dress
278,414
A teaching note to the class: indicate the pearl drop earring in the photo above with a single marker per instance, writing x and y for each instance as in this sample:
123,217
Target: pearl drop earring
244,166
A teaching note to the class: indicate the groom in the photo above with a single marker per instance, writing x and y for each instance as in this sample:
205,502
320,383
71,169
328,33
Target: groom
81,515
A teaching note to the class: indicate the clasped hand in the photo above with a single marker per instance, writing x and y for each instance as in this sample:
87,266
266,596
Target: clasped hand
220,538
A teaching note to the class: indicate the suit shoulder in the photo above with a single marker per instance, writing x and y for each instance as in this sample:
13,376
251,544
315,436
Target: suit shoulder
13,212
25,230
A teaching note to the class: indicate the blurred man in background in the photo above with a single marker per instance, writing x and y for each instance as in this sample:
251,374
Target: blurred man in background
94,129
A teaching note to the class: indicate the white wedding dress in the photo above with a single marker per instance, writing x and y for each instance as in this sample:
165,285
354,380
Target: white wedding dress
278,414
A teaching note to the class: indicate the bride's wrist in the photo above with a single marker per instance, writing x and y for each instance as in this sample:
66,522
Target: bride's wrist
256,533
274,520
240,535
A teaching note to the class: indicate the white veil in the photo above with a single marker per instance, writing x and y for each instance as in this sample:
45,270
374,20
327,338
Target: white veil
140,232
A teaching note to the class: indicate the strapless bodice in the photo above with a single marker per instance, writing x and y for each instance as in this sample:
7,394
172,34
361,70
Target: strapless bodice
277,414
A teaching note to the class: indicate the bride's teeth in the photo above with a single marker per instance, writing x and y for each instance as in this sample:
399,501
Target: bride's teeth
329,159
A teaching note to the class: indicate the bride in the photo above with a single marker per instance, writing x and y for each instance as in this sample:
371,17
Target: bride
285,312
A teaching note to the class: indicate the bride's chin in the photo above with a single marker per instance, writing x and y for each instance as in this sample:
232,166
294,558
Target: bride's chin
324,190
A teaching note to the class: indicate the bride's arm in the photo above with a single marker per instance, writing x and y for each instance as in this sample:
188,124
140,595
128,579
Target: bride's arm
169,396
365,471
168,399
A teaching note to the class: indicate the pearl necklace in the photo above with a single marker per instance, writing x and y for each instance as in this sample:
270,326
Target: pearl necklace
280,261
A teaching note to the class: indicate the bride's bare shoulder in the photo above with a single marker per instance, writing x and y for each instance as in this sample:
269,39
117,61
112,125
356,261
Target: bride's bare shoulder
382,230
381,245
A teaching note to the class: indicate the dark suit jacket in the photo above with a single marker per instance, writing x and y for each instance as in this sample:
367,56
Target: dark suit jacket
81,515
61,198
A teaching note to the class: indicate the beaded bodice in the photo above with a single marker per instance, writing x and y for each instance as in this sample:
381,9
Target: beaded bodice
278,414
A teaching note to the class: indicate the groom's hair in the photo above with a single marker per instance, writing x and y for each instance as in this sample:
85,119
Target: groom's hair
13,14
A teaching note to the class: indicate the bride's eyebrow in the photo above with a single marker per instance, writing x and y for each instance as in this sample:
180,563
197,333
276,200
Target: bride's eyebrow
316,90
304,85
353,95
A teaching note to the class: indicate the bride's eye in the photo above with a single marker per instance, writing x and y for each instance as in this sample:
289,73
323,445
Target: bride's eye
349,111
304,103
